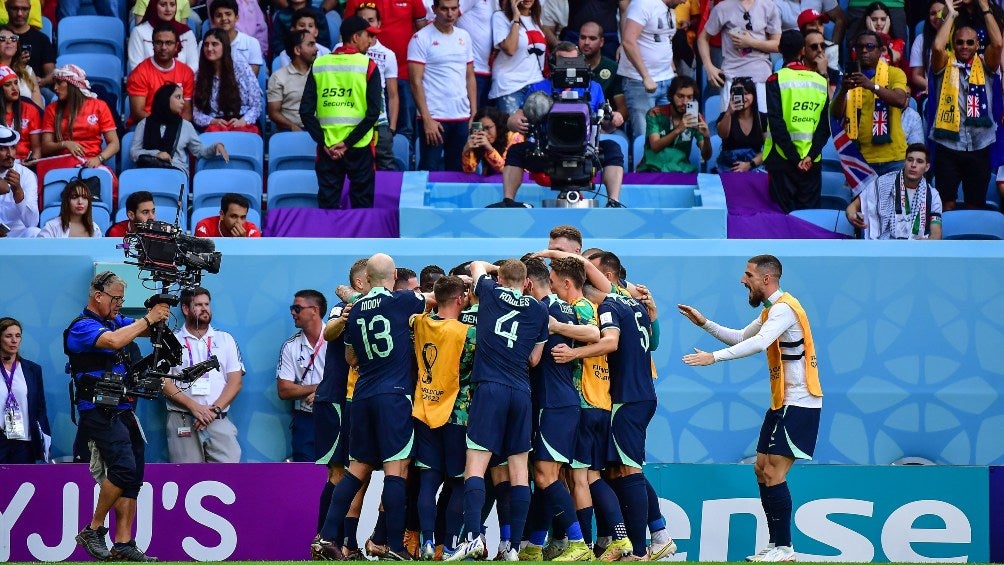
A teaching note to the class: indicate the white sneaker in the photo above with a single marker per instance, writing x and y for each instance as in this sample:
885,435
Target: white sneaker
780,553
512,554
759,555
474,549
662,551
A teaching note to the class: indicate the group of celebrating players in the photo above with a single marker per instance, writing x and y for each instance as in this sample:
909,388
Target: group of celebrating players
503,374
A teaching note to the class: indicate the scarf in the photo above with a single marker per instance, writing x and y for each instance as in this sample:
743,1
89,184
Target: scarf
947,119
154,20
902,218
154,139
881,130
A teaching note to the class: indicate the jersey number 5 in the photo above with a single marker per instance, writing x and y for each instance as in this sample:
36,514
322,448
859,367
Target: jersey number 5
372,345
642,330
509,334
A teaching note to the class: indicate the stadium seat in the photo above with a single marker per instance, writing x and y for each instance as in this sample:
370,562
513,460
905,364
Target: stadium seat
619,140
292,189
276,64
291,150
91,34
127,162
47,27
100,68
209,186
830,158
835,195
56,179
712,109
637,151
245,150
167,211
824,218
972,224
214,211
100,216
716,150
164,184
402,155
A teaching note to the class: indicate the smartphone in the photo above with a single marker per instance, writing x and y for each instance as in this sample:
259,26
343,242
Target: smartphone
4,229
26,50
692,108
738,94
477,126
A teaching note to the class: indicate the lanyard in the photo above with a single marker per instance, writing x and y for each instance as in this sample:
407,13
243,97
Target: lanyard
310,362
209,349
8,379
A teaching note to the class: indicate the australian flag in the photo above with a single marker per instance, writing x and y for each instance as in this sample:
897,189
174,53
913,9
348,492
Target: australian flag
856,170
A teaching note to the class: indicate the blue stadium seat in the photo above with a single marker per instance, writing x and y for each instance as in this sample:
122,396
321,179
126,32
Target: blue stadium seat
835,195
291,150
167,211
292,189
830,157
637,151
276,64
824,218
100,68
712,109
619,140
47,27
246,152
972,224
164,184
91,34
98,214
200,214
402,155
127,162
209,186
716,150
56,179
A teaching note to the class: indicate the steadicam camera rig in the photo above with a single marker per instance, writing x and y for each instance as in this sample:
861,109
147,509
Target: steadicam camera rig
564,131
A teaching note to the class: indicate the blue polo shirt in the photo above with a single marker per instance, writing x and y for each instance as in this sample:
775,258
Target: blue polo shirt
82,336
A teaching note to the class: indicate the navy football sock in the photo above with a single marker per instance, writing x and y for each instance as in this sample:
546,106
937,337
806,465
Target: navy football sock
351,527
539,517
442,506
766,511
322,509
379,536
429,480
503,510
633,495
454,514
474,500
394,497
779,500
585,517
412,485
564,511
519,506
608,510
655,520
341,499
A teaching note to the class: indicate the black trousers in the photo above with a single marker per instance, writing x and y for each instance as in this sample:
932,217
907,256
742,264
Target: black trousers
120,443
971,168
357,165
793,189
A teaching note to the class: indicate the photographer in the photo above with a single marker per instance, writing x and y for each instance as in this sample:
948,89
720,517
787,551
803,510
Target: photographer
611,157
671,129
489,142
741,129
94,343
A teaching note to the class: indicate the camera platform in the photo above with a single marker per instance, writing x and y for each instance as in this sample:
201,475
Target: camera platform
570,199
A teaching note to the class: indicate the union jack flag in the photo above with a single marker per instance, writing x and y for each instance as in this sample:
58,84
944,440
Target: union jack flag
880,123
973,106
856,170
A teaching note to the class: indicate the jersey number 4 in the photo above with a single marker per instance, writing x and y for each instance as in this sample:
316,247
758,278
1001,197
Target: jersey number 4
509,334
376,343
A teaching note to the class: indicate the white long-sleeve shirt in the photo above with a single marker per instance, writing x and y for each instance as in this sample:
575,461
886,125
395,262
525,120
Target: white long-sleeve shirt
21,217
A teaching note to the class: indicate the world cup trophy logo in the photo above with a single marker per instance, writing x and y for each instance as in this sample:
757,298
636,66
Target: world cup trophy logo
429,355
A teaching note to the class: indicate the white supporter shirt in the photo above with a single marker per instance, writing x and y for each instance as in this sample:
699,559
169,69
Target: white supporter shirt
476,17
20,216
513,72
386,62
302,363
756,337
445,57
917,52
554,13
208,388
243,48
655,43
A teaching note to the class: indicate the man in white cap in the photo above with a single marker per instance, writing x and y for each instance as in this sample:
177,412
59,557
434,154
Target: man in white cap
18,190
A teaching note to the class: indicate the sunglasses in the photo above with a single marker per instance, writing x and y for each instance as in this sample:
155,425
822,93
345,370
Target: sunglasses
816,46
9,39
965,42
370,5
749,22
866,46
296,308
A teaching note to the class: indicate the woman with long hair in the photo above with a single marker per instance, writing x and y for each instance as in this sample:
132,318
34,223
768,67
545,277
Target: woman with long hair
920,53
488,143
522,53
227,93
166,136
879,19
20,114
10,55
141,39
741,130
22,388
75,213
75,125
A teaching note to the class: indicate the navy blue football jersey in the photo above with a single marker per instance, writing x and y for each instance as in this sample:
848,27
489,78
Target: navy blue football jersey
631,365
552,381
379,333
510,325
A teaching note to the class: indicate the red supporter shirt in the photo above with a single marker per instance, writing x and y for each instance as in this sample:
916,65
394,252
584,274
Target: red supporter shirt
31,122
210,227
397,25
119,229
147,77
92,121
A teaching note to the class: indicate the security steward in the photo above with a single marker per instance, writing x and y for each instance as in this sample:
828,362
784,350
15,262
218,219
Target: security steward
797,128
95,344
340,106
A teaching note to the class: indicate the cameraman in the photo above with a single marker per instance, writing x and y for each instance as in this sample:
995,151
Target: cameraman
611,157
95,343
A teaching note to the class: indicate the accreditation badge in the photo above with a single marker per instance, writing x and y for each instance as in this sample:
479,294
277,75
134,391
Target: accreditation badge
200,387
13,424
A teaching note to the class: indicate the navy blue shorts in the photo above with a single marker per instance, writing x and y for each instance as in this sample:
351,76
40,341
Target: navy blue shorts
790,431
554,434
628,423
443,449
382,429
499,420
121,444
329,440
592,439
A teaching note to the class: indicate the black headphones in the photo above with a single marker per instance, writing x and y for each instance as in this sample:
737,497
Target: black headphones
100,283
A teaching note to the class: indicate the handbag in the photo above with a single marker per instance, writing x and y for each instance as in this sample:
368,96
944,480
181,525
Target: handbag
93,183
153,162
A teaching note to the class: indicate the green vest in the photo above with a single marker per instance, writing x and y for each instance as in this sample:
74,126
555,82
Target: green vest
803,94
341,95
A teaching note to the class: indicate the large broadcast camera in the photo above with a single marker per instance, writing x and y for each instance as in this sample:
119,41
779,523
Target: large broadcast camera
169,261
565,133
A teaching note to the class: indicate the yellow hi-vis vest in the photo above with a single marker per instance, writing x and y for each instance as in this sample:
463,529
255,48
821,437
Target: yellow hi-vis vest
341,95
774,356
803,94
438,347
596,378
